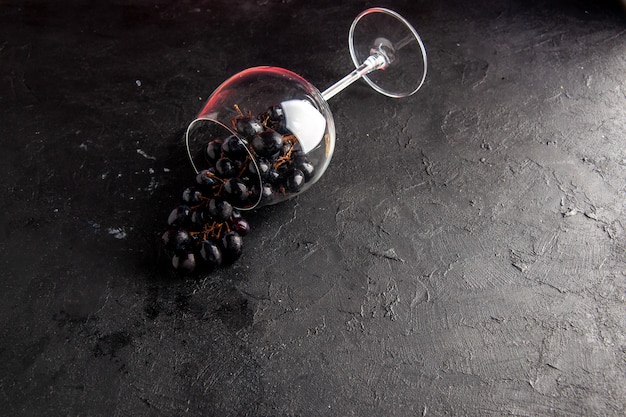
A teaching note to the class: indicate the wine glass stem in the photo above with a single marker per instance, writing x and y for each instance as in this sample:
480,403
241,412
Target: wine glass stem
372,63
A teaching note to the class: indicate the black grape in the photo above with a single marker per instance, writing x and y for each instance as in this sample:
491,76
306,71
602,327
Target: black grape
184,262
236,190
211,253
268,143
225,168
248,126
233,245
234,148
295,180
214,150
220,210
180,216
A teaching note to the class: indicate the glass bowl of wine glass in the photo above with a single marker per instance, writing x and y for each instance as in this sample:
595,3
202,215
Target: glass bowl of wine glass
264,136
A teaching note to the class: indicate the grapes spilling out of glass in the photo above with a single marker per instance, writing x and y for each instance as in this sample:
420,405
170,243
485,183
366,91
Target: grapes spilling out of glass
263,162
266,135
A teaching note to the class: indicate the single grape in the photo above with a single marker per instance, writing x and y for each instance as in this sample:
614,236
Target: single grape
184,262
273,176
211,253
302,163
267,143
249,180
214,149
295,181
236,190
277,175
241,226
220,209
275,118
199,217
234,148
260,168
248,126
225,168
177,240
265,191
180,216
233,245
275,113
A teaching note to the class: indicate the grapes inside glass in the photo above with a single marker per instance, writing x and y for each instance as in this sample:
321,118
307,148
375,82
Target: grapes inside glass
266,135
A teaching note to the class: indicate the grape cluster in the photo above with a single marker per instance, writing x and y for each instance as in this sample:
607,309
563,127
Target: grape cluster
206,229
277,157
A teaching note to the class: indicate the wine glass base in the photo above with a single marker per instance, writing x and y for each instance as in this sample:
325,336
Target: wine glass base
383,31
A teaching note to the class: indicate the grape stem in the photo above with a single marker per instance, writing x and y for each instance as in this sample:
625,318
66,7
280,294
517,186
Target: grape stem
213,230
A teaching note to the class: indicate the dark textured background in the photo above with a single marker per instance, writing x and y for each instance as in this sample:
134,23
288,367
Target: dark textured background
463,255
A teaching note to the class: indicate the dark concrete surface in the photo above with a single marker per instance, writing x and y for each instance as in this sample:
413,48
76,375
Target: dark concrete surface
463,255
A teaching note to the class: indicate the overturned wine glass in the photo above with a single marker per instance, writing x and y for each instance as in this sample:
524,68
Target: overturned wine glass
266,135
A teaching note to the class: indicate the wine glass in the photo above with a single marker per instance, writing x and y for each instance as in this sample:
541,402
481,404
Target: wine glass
267,134
273,130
